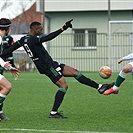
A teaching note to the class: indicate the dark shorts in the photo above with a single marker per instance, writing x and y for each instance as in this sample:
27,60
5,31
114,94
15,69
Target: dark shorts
56,72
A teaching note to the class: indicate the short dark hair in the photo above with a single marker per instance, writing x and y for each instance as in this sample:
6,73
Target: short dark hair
5,23
35,23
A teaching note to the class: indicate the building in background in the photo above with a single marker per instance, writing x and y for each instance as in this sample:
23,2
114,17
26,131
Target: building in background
85,46
20,24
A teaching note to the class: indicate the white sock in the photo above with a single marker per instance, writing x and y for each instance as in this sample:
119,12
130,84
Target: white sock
53,112
115,88
2,95
99,86
122,74
1,112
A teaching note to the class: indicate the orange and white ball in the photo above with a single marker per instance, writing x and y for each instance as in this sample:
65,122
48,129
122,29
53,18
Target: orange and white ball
105,72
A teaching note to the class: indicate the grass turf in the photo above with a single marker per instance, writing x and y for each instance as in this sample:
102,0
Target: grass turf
31,99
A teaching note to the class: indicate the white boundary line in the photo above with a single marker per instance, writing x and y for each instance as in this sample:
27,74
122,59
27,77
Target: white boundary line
73,80
37,130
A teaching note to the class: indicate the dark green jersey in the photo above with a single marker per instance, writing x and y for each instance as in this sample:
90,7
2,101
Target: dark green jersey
7,43
34,48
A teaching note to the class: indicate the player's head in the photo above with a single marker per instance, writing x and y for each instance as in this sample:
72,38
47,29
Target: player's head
36,28
5,25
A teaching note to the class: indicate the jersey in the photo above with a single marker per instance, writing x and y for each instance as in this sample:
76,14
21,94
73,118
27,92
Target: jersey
7,42
2,62
1,44
128,57
36,51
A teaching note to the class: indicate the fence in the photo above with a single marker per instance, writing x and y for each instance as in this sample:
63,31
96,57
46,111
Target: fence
85,58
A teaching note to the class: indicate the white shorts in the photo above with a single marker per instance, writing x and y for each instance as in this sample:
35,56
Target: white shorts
131,63
1,76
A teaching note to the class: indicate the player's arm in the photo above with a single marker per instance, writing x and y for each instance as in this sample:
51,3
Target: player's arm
7,66
50,36
128,57
56,33
10,50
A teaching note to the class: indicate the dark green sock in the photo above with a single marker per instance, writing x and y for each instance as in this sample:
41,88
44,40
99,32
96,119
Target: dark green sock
84,80
1,102
58,98
119,81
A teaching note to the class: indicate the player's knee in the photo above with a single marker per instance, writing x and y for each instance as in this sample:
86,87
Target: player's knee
65,86
75,72
127,69
8,87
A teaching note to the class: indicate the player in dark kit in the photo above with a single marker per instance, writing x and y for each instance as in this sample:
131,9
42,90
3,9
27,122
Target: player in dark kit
32,44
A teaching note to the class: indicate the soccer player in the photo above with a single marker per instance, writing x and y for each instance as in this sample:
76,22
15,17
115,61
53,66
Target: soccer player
32,44
122,75
5,85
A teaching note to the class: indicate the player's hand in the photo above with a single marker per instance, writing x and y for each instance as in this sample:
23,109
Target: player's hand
67,25
119,61
15,72
7,65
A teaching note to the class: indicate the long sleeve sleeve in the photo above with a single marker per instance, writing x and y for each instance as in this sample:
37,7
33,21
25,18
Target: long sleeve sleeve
2,62
10,50
50,36
128,57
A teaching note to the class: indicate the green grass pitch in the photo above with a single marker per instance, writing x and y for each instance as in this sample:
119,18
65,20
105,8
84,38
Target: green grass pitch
31,99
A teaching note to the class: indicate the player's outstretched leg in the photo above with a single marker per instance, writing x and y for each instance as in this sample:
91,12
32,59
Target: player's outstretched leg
101,88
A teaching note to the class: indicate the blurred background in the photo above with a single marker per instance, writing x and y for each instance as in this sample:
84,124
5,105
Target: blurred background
101,33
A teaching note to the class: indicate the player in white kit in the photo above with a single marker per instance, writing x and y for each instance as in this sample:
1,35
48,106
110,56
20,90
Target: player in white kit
5,85
128,68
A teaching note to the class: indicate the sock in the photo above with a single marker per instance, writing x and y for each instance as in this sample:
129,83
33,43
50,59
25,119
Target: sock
58,99
2,98
119,81
115,88
53,112
1,112
100,85
121,77
84,80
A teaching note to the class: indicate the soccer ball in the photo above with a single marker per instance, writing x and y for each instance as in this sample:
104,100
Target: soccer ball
105,72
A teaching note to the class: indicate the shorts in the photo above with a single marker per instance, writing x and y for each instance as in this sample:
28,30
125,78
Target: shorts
56,72
1,76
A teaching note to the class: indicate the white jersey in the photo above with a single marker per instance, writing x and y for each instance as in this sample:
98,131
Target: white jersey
0,39
128,57
2,62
